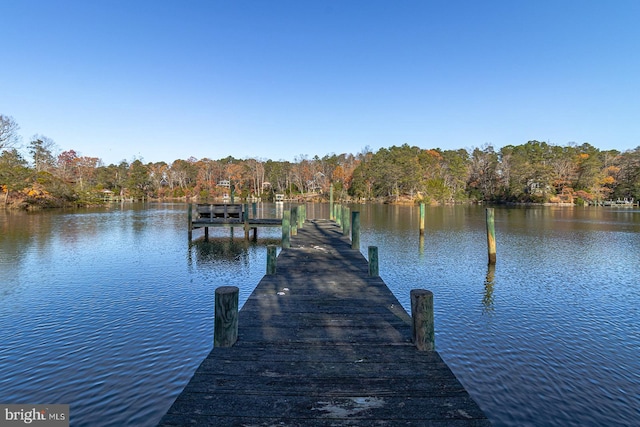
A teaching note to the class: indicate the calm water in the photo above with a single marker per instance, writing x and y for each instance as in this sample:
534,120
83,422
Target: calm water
111,310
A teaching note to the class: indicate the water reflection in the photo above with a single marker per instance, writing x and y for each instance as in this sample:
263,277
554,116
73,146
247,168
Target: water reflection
487,299
216,249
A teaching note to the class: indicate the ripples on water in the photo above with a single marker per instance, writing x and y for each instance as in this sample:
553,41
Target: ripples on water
111,311
548,337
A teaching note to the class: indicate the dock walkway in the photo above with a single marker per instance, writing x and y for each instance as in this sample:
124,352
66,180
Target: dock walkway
323,344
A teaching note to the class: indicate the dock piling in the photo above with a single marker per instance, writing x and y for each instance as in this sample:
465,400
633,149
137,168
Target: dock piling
294,221
355,230
346,224
422,331
300,215
286,225
271,259
225,330
491,236
190,220
373,261
331,215
422,219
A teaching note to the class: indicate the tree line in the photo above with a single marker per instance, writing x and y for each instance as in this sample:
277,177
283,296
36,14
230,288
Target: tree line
38,174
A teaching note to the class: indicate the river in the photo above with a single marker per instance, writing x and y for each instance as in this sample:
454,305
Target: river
110,310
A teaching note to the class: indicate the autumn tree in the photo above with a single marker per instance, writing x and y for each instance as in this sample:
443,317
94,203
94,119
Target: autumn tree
14,172
9,137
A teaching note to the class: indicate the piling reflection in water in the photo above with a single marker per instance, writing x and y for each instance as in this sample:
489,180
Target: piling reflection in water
487,299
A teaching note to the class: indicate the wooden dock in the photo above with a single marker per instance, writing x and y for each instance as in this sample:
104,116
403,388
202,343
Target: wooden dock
321,343
227,215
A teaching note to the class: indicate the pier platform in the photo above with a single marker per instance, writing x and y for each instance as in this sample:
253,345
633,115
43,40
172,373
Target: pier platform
322,343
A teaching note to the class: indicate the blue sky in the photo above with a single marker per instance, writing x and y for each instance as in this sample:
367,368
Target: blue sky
166,80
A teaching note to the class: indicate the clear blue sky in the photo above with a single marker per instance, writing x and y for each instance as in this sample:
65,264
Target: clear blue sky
165,80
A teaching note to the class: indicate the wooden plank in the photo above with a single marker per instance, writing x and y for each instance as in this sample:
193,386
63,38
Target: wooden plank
322,343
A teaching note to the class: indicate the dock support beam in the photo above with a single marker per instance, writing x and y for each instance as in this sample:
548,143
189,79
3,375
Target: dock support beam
422,219
373,261
355,230
271,260
225,330
422,330
491,236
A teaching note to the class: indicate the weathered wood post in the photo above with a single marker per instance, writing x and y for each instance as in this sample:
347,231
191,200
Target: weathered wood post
190,221
373,261
294,221
206,234
286,229
491,236
245,218
271,259
355,230
422,330
225,330
331,202
422,219
346,226
345,221
254,209
300,215
339,215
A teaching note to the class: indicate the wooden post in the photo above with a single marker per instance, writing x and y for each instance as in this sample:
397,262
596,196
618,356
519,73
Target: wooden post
245,217
254,208
373,261
190,220
331,202
225,330
206,234
422,219
422,331
286,225
339,214
343,217
355,230
300,214
491,236
271,259
294,221
346,226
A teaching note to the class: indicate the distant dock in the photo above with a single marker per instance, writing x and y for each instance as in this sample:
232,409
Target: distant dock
323,343
226,215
